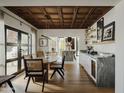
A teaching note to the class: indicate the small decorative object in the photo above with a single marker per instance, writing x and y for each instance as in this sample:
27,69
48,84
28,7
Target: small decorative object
43,42
92,36
69,39
109,32
100,28
94,42
69,43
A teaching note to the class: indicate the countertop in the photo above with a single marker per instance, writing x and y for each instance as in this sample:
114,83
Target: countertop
99,55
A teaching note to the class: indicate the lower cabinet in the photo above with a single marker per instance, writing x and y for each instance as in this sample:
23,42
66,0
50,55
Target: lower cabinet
84,60
106,72
100,69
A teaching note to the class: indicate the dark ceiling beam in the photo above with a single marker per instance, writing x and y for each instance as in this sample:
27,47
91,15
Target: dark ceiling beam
64,13
22,15
74,16
60,14
86,17
56,13
31,15
104,11
59,19
46,15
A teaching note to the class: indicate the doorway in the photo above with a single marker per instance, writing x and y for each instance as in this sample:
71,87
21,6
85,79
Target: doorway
17,45
60,46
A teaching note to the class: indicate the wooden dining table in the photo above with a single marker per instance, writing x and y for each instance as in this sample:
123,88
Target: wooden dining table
47,60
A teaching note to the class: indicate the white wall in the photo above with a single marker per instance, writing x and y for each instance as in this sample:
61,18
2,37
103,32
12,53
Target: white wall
12,15
106,47
63,33
2,45
117,15
10,21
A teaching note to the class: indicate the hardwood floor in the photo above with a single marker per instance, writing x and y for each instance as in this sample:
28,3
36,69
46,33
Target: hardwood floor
76,81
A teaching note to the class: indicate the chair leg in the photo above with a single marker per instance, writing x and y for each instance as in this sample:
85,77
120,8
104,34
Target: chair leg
43,82
53,73
60,73
27,84
25,77
33,80
63,69
11,86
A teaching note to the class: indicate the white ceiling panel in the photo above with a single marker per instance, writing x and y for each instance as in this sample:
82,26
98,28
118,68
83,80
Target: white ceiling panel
59,2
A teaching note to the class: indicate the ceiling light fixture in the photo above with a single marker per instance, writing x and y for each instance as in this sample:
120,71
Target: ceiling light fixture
45,36
47,25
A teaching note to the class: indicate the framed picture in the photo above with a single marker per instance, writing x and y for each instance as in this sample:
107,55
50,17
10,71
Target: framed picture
100,28
109,32
43,42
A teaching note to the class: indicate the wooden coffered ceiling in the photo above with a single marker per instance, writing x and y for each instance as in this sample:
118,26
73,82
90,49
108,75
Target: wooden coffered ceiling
61,17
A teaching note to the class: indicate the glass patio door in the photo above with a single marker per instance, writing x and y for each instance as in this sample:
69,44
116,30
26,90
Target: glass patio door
17,45
24,48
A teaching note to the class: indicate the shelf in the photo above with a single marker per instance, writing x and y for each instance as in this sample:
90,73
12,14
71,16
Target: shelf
89,32
105,42
91,36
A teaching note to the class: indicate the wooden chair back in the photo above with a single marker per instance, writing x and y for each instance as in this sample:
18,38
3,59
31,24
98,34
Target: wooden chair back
27,56
33,65
40,54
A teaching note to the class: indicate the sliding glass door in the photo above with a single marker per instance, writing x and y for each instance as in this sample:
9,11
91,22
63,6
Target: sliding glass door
24,48
17,45
11,51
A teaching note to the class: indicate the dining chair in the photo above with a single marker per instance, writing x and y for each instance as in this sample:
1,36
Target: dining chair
58,68
27,57
34,68
7,79
40,54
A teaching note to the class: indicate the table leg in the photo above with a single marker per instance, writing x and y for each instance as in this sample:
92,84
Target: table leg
47,78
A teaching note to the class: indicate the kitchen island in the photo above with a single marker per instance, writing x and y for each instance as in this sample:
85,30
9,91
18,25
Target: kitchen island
69,55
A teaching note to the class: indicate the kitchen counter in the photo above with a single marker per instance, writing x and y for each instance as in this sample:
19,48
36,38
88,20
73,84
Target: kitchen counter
69,55
99,55
100,67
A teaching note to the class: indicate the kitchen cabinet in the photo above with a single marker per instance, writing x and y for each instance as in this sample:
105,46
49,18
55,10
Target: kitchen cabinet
100,68
85,62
